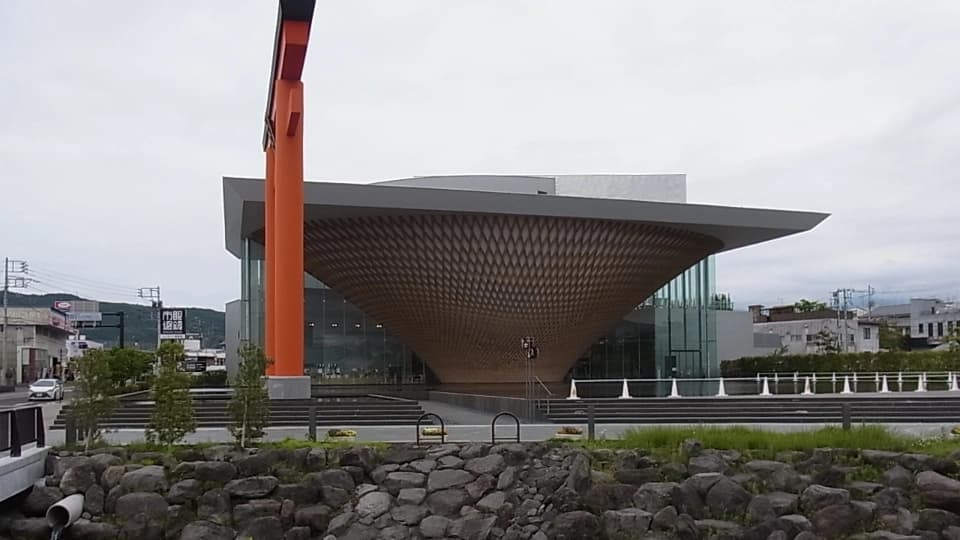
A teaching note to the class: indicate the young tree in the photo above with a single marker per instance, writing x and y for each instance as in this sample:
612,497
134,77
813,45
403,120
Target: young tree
891,338
249,406
173,409
826,342
129,365
93,399
806,306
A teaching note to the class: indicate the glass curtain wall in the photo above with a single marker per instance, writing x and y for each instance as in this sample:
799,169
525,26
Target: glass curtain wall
342,345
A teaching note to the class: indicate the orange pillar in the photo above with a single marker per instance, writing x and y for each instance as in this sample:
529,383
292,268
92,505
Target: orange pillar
288,229
270,297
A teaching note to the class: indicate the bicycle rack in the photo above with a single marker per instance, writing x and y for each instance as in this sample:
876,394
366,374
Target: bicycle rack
443,429
493,428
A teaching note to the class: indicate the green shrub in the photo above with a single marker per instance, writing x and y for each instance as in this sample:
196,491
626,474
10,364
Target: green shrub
209,379
889,361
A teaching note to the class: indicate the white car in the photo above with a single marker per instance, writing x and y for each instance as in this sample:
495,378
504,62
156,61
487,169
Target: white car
46,389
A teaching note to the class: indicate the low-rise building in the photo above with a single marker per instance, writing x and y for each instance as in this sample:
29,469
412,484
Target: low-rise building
34,344
927,321
78,345
816,332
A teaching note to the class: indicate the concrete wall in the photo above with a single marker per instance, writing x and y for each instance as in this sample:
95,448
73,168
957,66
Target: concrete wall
735,335
232,336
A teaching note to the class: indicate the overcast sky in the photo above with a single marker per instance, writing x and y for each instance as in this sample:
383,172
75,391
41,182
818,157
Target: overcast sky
120,118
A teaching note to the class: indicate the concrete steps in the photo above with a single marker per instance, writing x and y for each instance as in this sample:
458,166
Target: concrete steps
214,412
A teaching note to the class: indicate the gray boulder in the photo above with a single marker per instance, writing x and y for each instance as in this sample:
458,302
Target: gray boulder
341,523
215,471
29,529
100,462
447,478
111,477
409,514
77,479
360,456
404,454
151,478
338,478
143,514
654,496
184,491
297,533
785,479
258,508
206,530
939,491
479,487
447,502
816,497
473,527
936,519
254,487
707,463
579,479
838,520
374,504
577,525
84,529
450,462
727,498
687,500
316,516
94,500
263,528
665,520
214,505
890,499
334,496
625,522
177,518
423,465
637,477
603,497
39,500
411,496
493,502
434,526
702,482
491,464
298,493
898,477
396,481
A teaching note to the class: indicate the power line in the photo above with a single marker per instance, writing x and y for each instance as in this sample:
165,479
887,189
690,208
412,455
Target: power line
79,283
79,279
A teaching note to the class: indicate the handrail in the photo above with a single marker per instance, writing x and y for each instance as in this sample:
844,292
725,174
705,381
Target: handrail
24,425
549,393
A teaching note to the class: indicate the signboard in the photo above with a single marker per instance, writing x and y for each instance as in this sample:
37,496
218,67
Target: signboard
86,316
173,323
62,305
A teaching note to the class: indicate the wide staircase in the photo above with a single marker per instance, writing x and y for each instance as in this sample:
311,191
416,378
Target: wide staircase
896,408
211,411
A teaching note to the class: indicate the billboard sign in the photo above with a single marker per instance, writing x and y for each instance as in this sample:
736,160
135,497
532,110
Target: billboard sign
173,323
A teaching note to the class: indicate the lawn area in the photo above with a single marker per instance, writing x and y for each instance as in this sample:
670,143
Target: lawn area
667,440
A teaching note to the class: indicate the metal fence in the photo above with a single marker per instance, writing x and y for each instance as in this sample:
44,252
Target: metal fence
20,427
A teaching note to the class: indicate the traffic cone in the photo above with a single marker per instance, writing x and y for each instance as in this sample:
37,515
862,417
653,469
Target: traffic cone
807,391
573,390
674,393
846,385
721,391
766,388
884,389
625,394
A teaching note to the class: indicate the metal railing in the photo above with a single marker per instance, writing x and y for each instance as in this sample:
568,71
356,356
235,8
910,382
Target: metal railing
543,403
769,384
19,427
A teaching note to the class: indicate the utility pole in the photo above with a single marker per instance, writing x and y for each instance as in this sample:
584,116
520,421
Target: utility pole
10,267
153,294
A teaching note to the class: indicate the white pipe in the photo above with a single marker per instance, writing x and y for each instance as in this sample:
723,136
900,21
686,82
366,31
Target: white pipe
62,514
625,394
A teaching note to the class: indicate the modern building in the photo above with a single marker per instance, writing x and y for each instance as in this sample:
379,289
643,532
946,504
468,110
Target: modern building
35,345
435,280
926,321
816,332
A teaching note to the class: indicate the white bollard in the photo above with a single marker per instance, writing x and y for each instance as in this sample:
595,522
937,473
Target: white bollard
953,383
796,376
884,389
721,391
807,391
573,390
625,394
766,388
899,381
813,378
846,385
674,393
921,383
876,379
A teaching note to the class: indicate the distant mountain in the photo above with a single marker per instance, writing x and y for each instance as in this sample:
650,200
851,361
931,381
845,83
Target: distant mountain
140,321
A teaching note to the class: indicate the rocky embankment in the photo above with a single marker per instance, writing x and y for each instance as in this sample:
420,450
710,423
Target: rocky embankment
533,491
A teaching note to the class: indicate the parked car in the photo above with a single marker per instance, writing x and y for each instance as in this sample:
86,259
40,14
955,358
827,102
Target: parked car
46,389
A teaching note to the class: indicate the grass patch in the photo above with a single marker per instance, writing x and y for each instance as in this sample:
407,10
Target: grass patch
666,441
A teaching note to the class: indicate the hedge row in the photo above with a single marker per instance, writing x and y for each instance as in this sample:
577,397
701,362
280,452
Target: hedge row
844,362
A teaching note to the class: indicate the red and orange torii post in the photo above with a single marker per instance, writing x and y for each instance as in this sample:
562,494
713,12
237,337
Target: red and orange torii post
283,201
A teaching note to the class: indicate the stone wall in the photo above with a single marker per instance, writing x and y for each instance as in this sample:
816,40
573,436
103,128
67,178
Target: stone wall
533,491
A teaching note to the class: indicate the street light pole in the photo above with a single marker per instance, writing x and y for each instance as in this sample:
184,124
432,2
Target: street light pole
529,346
